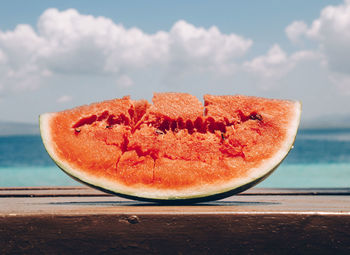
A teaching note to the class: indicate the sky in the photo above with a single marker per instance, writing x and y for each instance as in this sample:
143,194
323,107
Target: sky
56,55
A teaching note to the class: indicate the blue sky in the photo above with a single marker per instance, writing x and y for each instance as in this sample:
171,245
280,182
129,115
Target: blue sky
263,21
76,52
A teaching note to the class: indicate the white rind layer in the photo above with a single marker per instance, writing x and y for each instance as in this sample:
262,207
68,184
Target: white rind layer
143,191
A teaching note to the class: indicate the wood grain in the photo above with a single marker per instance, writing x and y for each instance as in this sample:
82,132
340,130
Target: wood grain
257,222
73,191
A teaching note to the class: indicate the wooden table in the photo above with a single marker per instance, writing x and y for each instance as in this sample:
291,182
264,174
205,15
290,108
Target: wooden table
79,220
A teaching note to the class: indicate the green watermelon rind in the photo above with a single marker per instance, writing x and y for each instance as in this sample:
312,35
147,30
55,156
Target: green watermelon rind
209,192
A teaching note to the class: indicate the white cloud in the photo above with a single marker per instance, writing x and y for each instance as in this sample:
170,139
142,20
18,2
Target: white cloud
276,63
206,48
22,46
20,68
67,42
3,58
68,45
125,81
341,81
296,30
88,44
64,99
273,64
332,32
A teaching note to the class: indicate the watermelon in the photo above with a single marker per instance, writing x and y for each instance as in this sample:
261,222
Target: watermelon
174,150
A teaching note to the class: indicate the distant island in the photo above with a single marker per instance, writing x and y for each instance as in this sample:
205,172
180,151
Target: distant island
18,128
333,121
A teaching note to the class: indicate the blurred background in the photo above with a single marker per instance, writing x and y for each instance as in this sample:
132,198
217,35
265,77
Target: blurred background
56,55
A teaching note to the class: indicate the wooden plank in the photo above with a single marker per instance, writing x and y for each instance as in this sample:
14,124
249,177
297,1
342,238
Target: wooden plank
86,191
114,205
78,191
261,221
180,234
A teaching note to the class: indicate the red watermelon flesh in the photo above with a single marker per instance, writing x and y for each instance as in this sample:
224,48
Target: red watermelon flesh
174,149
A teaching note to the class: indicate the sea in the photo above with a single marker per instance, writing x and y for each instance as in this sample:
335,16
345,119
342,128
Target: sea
320,159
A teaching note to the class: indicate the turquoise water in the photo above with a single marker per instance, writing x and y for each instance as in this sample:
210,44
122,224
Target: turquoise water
320,158
286,176
34,176
309,176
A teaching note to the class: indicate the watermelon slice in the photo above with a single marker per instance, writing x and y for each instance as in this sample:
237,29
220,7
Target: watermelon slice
176,149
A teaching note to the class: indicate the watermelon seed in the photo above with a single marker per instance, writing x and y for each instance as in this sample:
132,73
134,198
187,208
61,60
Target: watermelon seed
108,126
159,132
255,117
173,125
77,130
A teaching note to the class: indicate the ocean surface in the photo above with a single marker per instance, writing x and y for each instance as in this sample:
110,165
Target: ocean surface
320,158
